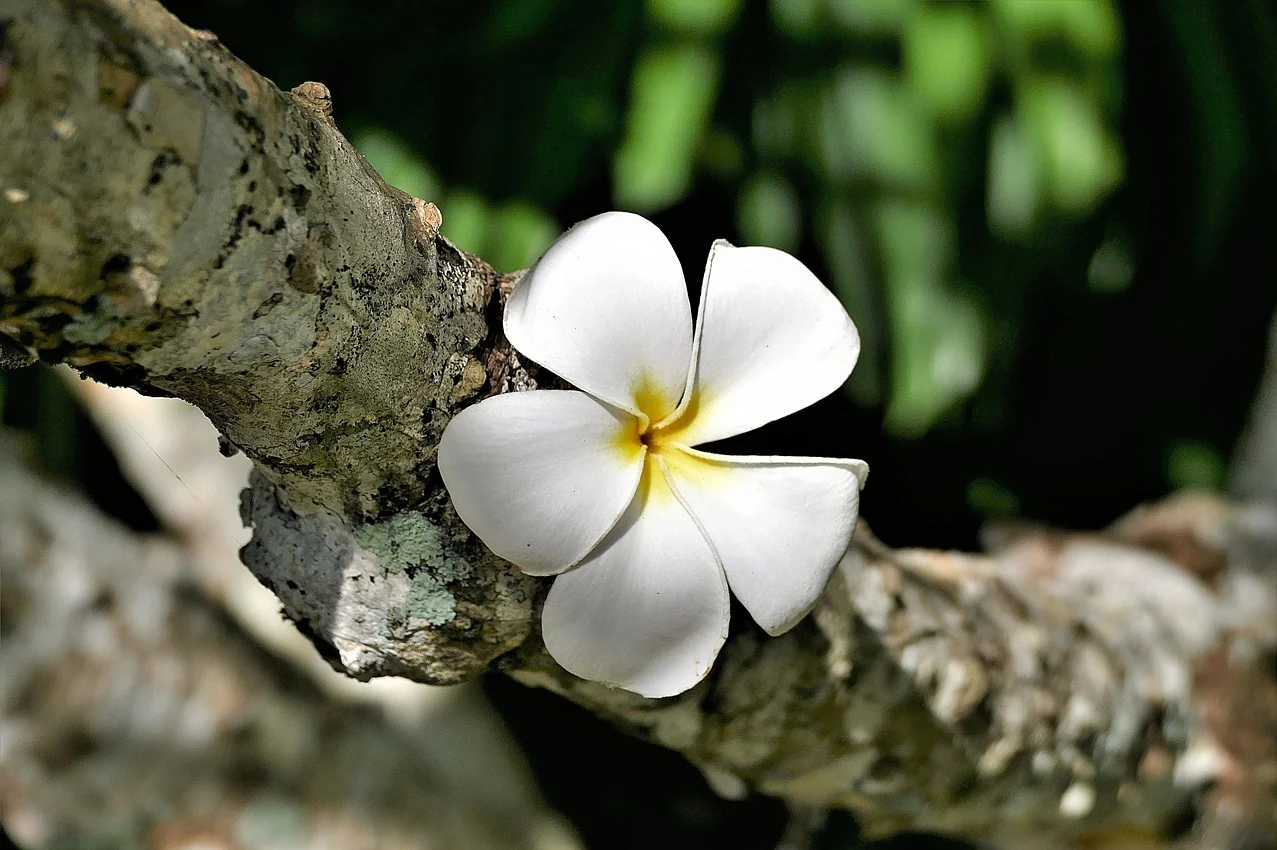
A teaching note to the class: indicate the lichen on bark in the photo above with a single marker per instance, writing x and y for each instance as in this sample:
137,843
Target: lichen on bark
173,222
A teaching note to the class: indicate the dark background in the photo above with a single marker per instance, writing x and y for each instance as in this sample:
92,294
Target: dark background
1052,220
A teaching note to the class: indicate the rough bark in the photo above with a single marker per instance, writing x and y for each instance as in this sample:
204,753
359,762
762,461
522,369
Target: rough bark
136,714
173,222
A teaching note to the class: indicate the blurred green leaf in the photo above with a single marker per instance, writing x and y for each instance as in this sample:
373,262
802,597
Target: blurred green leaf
777,121
509,236
842,244
938,353
1091,26
796,18
992,498
1191,464
946,59
465,220
397,163
695,17
869,17
938,335
1112,265
872,126
514,21
1218,128
768,212
916,236
671,97
519,234
1014,195
723,154
1082,160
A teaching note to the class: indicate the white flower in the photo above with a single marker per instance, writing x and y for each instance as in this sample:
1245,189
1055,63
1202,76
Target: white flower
603,488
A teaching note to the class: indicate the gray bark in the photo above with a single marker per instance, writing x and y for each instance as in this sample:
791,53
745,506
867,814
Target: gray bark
173,222
135,713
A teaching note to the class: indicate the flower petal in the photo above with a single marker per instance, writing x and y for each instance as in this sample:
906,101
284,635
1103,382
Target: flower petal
770,340
646,611
606,308
778,524
541,476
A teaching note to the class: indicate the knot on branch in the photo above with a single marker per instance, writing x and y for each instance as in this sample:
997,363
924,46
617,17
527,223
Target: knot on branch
425,217
317,100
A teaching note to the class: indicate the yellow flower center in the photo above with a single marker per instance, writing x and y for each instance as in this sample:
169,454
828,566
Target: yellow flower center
650,429
651,434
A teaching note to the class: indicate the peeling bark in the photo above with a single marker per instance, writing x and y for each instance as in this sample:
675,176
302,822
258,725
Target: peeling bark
173,222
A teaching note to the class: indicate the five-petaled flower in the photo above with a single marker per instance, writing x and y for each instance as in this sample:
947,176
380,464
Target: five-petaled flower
604,488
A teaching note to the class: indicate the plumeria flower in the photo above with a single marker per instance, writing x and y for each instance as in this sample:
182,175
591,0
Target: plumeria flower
605,489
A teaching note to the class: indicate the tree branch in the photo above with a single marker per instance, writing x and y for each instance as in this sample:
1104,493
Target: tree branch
135,713
173,222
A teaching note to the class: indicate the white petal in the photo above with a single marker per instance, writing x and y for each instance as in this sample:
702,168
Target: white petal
778,524
541,476
606,308
770,340
646,611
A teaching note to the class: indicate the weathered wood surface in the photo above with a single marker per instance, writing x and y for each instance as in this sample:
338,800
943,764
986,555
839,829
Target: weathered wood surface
135,713
172,221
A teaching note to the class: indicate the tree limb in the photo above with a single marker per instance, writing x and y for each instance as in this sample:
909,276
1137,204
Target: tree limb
173,222
135,713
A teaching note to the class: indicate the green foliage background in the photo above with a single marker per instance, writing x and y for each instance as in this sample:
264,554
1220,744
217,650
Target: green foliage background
1052,220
